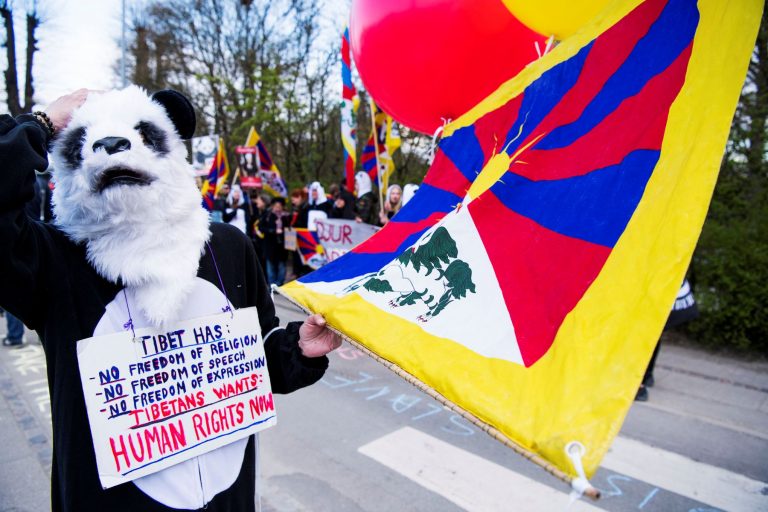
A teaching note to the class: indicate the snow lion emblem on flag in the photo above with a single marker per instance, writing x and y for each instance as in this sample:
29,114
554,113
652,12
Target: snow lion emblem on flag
429,274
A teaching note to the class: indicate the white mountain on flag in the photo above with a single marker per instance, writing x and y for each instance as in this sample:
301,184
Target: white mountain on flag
448,265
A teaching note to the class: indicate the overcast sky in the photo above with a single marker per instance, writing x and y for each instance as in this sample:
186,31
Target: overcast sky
79,44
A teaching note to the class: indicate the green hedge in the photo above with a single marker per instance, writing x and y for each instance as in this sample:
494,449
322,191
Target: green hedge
730,266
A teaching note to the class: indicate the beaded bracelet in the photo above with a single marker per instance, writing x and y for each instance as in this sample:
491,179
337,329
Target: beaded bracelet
46,121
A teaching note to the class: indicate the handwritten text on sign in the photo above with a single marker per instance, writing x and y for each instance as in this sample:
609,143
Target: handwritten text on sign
164,397
339,236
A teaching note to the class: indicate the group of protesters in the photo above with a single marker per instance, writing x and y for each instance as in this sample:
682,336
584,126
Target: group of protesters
265,218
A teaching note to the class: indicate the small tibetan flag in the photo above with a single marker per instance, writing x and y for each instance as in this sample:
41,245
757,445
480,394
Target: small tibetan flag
310,250
349,104
217,176
273,181
384,138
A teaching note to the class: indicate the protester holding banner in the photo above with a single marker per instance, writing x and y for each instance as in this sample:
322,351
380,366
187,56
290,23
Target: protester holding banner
298,208
366,205
317,198
299,219
260,208
220,203
236,212
343,202
274,242
392,204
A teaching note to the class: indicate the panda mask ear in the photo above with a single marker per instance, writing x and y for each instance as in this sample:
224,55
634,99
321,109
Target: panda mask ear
179,111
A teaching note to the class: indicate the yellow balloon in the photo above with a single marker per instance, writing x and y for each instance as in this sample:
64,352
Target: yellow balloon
560,18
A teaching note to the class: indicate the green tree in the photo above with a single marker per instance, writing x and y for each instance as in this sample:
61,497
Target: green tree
258,63
247,64
730,266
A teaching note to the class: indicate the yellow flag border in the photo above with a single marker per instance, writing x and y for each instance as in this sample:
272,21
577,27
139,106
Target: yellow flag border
589,491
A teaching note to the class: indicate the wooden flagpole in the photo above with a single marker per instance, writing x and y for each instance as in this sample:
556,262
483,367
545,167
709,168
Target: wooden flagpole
376,150
550,468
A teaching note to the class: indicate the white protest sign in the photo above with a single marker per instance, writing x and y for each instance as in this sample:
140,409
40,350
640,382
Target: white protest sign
339,236
289,241
313,217
203,152
167,396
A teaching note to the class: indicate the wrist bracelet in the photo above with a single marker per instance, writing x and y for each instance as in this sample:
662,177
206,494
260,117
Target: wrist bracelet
46,121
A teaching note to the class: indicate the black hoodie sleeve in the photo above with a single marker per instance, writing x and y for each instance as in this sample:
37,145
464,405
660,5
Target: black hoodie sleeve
289,370
24,246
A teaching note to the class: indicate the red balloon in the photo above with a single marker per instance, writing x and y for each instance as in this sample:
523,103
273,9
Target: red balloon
423,60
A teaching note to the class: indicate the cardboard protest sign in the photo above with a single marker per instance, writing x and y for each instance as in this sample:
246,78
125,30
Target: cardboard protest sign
248,159
249,165
166,396
289,241
203,152
339,236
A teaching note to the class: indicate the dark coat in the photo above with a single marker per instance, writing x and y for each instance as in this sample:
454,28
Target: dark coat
366,207
48,283
274,242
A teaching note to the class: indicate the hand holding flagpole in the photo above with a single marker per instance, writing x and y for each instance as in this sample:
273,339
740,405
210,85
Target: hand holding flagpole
315,339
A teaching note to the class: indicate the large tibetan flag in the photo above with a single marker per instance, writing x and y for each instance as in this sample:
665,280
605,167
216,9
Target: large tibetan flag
529,280
217,176
273,181
349,104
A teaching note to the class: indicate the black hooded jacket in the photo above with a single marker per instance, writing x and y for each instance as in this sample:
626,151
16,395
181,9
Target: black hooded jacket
48,283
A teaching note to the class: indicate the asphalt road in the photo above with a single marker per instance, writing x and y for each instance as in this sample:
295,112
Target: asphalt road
330,452
362,439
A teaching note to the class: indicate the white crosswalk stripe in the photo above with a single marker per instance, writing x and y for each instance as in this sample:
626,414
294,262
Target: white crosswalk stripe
471,482
686,477
477,484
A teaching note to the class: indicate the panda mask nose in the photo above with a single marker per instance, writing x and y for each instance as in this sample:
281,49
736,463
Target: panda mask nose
112,145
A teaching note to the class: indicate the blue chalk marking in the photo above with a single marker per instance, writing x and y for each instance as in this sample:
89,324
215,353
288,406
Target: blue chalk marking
649,497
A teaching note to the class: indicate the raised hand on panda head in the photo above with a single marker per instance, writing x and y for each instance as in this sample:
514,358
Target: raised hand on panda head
60,111
315,338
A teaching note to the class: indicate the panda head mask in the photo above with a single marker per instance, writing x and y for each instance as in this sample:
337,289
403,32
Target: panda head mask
124,188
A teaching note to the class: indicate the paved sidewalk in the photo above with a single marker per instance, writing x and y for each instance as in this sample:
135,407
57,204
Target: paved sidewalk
726,395
25,429
720,390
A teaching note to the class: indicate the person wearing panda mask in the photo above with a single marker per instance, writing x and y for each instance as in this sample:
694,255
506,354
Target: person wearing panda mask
130,230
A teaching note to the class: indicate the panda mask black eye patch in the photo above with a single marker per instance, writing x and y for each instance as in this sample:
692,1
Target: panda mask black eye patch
153,137
72,147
